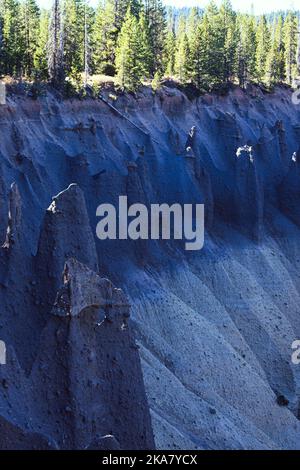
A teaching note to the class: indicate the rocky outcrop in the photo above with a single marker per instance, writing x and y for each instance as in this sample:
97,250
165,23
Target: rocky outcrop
86,383
90,370
65,233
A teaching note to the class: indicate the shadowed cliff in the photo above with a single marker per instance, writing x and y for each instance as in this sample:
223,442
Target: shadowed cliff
214,328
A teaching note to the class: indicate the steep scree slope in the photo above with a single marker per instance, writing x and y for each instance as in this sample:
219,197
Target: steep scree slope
214,327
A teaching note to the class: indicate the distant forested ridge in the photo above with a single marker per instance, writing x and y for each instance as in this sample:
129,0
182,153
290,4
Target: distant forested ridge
138,41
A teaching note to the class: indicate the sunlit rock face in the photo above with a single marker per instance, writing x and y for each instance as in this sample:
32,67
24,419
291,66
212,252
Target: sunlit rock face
204,361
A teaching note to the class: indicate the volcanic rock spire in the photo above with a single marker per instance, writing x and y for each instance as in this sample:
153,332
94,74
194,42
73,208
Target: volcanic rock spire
66,232
89,367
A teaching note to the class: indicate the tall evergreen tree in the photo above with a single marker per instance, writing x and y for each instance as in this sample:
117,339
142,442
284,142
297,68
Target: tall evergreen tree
169,53
73,22
192,21
86,48
290,45
29,16
263,46
2,51
105,33
121,7
226,34
156,20
212,47
246,49
170,19
198,55
145,45
183,65
11,37
109,18
298,51
275,65
40,56
55,46
129,54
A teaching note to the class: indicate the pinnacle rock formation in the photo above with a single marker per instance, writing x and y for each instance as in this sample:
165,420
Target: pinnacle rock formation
65,233
86,382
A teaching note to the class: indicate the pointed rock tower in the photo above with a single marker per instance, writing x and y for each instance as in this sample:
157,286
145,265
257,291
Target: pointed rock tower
89,368
66,233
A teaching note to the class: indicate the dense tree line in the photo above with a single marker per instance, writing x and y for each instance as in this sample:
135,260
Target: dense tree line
138,40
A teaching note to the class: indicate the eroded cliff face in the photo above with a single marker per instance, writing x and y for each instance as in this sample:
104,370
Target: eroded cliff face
214,327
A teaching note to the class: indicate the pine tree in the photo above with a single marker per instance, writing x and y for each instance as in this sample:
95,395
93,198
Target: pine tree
73,22
181,28
198,55
40,56
169,54
246,49
103,40
168,61
170,19
145,46
156,20
130,69
226,34
55,46
290,45
263,46
212,46
183,64
192,21
2,50
121,7
12,53
29,16
87,55
105,33
298,52
275,64
109,19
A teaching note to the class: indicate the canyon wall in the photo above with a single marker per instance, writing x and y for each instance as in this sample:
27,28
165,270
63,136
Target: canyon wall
213,328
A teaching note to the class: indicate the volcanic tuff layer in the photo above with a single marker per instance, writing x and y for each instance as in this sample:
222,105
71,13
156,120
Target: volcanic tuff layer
214,327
